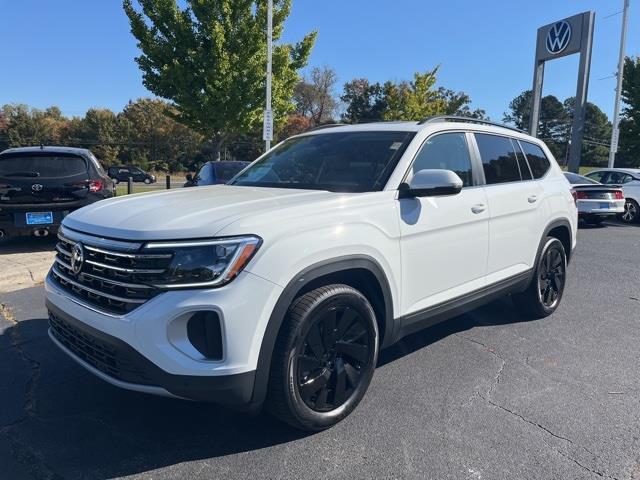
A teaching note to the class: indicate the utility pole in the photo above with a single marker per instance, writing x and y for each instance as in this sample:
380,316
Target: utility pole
267,129
615,133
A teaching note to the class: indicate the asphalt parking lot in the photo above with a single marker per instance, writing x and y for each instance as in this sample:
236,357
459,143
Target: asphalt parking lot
485,396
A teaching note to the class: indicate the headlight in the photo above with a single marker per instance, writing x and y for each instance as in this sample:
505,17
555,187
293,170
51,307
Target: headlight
205,263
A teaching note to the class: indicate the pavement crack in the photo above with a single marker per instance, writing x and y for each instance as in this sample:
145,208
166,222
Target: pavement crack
29,403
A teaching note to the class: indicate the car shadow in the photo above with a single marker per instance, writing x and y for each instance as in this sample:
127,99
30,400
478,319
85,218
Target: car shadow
73,425
28,244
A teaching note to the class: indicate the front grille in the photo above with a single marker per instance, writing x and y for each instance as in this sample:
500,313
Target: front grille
97,353
113,279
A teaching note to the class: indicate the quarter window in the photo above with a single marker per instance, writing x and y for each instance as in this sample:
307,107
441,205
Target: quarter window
499,160
448,151
538,161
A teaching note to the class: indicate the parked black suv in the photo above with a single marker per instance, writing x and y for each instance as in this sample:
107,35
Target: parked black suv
122,174
39,186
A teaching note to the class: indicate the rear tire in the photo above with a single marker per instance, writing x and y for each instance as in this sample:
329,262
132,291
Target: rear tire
543,295
631,211
324,358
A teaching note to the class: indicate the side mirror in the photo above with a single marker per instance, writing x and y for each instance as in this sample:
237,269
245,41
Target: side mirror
431,183
189,177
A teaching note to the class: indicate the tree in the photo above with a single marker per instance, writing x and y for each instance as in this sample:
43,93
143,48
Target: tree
414,100
596,136
458,103
295,125
629,150
365,101
98,131
554,120
153,136
314,97
30,126
209,60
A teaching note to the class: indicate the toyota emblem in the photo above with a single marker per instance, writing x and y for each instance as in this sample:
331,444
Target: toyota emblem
77,258
36,187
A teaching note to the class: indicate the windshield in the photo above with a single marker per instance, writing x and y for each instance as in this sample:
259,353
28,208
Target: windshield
338,162
48,166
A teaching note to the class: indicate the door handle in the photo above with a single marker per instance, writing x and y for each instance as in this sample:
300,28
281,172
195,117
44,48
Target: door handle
532,199
479,208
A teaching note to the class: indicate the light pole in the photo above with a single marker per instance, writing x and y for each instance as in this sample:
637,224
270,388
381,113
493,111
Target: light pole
615,133
267,128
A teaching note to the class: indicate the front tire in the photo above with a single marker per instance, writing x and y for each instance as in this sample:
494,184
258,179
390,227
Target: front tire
543,295
116,181
147,181
324,358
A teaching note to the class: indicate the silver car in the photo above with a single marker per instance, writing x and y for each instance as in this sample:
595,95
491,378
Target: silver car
596,202
629,179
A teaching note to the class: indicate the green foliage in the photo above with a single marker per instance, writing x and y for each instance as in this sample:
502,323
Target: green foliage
405,100
365,101
629,149
209,60
554,127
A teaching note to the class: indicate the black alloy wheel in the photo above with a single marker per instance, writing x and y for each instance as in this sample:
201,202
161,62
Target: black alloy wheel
551,276
335,352
543,294
324,357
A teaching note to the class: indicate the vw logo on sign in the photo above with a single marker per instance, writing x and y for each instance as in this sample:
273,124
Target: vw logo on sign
558,37
77,258
36,187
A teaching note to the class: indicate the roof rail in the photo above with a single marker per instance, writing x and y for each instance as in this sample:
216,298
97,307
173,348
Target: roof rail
461,119
327,125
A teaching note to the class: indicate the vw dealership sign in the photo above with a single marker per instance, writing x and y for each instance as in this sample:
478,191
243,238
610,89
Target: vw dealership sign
558,37
555,40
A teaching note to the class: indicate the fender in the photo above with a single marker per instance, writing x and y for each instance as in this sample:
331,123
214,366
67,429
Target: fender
291,291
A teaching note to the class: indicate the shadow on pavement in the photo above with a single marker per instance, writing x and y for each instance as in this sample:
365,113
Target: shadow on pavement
64,423
28,244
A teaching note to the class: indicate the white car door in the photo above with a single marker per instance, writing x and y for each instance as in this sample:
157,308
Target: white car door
517,207
444,239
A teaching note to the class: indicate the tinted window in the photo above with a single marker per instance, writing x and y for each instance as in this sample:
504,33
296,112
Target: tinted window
341,162
597,176
42,166
448,151
525,172
619,178
206,175
538,161
226,171
498,159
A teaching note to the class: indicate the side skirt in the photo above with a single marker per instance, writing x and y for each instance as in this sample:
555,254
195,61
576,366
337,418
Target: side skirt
452,308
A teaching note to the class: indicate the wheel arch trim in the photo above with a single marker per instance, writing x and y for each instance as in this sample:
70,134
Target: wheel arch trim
291,291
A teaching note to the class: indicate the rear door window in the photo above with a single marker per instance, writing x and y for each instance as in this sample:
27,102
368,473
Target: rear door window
525,172
47,166
538,161
499,160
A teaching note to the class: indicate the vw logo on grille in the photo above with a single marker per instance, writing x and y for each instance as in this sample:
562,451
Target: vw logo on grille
36,187
77,258
558,37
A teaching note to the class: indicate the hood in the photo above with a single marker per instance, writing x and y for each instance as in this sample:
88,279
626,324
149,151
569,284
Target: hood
183,213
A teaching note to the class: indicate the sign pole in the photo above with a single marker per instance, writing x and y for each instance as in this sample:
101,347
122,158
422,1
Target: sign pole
267,130
580,105
615,133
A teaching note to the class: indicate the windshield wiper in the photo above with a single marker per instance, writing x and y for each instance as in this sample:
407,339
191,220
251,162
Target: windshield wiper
22,174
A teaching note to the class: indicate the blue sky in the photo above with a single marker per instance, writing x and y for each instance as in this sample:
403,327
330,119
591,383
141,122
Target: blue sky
79,54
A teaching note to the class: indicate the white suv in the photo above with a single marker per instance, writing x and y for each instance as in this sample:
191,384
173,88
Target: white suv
280,288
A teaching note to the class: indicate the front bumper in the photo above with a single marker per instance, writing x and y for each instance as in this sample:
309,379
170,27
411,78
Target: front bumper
146,349
116,362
